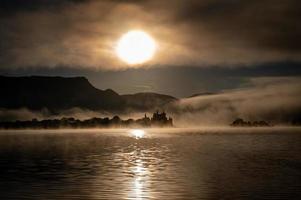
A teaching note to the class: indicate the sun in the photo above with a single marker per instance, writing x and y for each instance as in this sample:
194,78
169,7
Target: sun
136,47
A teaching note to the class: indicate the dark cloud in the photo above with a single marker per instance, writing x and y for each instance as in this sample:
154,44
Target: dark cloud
268,24
260,25
10,7
83,33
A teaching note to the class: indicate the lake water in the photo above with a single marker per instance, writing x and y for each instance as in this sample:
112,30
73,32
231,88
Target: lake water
162,164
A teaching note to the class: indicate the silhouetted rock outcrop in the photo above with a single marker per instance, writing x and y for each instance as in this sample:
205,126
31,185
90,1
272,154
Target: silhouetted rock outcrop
241,123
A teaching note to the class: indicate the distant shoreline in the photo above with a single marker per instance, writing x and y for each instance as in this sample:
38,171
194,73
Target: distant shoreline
157,120
174,128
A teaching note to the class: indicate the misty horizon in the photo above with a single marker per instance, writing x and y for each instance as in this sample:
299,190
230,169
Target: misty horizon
254,102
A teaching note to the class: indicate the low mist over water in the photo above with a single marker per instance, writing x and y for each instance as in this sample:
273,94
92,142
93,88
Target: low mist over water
213,163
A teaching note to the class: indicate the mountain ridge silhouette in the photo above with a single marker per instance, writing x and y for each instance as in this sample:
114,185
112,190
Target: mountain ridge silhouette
59,93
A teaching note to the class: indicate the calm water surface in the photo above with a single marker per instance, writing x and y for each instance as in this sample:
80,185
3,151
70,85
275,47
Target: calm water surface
155,164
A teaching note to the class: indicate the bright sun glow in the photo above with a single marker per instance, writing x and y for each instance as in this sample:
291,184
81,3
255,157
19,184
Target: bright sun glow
138,133
136,47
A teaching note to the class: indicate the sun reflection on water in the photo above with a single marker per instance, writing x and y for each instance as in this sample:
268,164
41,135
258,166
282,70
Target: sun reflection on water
137,133
138,169
140,179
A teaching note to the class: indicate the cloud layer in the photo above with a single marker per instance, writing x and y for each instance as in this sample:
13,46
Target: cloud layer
272,99
83,33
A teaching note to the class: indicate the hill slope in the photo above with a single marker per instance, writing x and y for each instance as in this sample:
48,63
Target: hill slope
147,101
55,93
59,93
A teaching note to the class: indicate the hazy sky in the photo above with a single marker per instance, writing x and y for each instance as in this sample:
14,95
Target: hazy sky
204,46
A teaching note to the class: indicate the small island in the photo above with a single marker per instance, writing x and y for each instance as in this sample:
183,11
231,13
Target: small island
157,120
242,123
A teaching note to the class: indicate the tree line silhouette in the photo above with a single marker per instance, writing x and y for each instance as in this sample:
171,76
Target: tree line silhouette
157,120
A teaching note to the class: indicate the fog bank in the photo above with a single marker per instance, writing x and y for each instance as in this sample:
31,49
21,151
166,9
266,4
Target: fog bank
272,99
